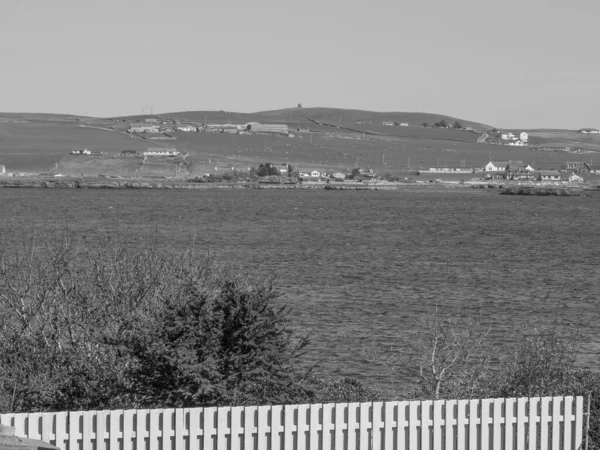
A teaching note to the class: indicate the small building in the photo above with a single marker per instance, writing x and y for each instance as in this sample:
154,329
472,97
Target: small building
143,128
390,124
186,128
496,166
495,176
85,151
573,178
256,127
504,136
315,174
129,153
2,168
161,152
403,124
524,136
548,175
589,131
151,120
338,176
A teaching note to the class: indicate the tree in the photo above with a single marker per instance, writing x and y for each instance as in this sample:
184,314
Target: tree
440,124
266,169
457,125
448,356
425,125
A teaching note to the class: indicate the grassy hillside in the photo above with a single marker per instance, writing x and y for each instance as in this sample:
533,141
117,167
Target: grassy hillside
40,142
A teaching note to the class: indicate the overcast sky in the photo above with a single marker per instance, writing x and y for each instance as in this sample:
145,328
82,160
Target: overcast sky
510,63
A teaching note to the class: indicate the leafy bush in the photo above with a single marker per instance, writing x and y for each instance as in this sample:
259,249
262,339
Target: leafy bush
92,323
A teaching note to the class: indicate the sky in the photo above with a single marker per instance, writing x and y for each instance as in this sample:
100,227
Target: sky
514,63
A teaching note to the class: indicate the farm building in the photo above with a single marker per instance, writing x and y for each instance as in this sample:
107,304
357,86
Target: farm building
186,128
2,169
85,151
161,152
548,175
575,179
589,131
151,120
339,176
129,153
256,127
143,128
496,166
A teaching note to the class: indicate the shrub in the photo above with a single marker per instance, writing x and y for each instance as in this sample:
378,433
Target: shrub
91,322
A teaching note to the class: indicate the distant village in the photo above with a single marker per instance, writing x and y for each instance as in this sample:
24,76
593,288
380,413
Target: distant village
155,126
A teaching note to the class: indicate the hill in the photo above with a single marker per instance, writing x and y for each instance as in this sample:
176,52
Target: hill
42,142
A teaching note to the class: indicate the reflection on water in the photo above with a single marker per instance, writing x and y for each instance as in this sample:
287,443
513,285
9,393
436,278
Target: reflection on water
359,267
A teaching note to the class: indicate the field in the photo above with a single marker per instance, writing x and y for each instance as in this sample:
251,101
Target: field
40,143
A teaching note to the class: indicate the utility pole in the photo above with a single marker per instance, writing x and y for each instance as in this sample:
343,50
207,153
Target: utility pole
384,158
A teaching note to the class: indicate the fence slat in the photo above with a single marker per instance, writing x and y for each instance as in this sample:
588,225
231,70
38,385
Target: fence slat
73,431
377,424
474,426
115,430
249,427
509,422
520,427
568,422
315,425
365,425
461,420
544,419
497,427
302,426
236,425
208,427
388,425
485,423
222,427
276,427
556,404
61,437
578,422
525,423
128,418
289,426
141,433
426,410
438,429
450,424
262,426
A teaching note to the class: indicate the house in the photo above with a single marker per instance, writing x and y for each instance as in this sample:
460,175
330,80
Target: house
151,120
390,124
403,124
161,152
85,151
505,136
129,153
186,128
315,174
143,128
495,176
338,176
589,131
2,169
575,167
524,136
496,166
575,179
548,175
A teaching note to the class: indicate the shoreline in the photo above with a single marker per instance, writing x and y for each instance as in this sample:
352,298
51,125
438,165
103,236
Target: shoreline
176,184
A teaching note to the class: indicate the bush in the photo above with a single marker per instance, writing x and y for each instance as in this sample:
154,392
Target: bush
92,323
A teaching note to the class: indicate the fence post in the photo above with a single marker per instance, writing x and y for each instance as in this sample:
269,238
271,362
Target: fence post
587,421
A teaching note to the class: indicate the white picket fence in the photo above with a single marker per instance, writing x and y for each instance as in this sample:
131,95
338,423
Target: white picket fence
554,423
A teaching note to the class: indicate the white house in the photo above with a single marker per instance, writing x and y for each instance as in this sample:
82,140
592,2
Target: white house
548,175
339,176
524,136
2,169
589,131
575,179
315,174
496,166
186,128
161,152
505,136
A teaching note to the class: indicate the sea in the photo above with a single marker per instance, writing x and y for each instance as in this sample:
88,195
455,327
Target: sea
361,268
